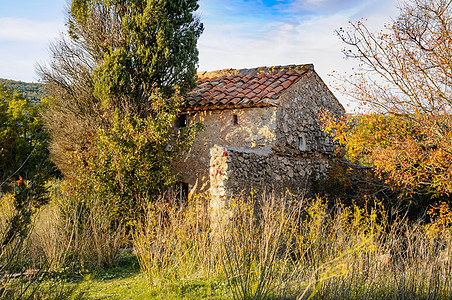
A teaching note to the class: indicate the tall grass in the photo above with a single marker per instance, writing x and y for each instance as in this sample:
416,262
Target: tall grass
257,248
13,236
17,279
69,234
265,248
173,243
283,248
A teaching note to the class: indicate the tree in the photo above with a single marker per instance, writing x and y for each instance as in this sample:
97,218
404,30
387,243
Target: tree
129,57
24,167
404,79
23,140
117,81
132,165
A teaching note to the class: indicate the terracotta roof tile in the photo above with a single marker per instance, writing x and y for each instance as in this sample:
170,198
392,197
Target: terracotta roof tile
252,87
256,99
269,95
262,94
229,85
249,76
285,84
232,88
273,85
258,90
263,80
278,89
235,100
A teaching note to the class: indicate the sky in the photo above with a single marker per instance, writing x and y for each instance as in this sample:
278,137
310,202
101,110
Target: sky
237,34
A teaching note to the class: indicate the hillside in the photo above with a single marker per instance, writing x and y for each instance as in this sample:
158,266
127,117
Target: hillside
32,91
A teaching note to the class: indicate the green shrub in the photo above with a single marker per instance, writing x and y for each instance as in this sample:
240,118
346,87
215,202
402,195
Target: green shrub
131,165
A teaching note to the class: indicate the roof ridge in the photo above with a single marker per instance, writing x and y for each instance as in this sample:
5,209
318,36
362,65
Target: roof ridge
265,70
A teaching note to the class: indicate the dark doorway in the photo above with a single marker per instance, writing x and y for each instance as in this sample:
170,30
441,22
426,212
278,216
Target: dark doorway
181,192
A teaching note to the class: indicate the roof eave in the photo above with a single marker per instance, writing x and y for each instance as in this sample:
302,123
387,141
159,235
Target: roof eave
225,107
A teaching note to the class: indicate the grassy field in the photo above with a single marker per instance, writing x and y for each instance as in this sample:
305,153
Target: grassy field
136,287
270,248
126,281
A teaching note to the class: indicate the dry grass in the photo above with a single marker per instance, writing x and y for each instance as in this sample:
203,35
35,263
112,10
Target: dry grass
289,249
17,280
269,248
173,243
69,233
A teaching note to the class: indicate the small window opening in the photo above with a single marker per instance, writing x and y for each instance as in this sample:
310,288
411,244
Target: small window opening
235,119
302,143
181,192
181,121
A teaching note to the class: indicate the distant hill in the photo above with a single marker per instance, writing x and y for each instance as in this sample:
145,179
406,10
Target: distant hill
32,91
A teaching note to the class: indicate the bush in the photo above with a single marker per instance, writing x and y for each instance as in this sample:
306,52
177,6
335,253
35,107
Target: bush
20,277
130,166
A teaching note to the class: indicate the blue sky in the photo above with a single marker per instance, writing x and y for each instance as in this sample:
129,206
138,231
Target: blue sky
238,33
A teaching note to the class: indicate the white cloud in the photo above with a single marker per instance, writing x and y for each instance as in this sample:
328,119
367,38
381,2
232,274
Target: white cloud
23,43
15,29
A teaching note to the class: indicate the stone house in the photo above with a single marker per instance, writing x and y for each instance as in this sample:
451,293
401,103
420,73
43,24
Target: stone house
260,131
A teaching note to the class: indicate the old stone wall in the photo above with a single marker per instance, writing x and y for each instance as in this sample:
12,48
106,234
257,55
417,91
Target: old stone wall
235,171
255,128
297,131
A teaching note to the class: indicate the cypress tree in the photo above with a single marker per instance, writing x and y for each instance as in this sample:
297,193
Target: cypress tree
123,57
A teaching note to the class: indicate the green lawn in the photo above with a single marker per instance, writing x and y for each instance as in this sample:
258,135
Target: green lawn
127,282
136,287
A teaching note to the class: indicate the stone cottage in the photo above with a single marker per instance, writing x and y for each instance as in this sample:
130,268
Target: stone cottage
260,131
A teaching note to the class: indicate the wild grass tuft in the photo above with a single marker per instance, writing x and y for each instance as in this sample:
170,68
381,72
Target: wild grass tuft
265,248
173,243
284,248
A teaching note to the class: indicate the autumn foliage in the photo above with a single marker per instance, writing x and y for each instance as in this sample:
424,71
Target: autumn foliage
403,87
405,153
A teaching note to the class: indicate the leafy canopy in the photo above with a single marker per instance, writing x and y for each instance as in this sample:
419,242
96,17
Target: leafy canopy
148,47
24,163
401,150
32,91
23,140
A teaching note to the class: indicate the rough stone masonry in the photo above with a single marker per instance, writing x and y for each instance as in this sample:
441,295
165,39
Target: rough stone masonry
261,132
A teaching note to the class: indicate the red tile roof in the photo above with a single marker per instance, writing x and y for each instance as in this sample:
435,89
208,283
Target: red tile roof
232,88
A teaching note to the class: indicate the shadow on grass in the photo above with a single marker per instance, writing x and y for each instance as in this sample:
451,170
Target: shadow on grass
127,267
